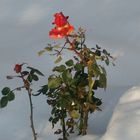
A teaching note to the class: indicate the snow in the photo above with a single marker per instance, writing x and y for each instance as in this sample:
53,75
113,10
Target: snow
118,120
125,122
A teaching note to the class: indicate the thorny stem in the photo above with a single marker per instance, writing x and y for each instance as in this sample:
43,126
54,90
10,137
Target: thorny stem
82,41
59,52
31,115
31,108
18,88
85,124
64,129
68,41
81,122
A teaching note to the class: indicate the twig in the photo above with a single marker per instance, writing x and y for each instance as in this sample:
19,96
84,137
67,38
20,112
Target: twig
59,52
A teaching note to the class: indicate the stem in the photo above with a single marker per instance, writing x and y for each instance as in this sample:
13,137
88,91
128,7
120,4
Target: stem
27,86
31,115
81,122
18,88
64,129
85,124
58,52
68,41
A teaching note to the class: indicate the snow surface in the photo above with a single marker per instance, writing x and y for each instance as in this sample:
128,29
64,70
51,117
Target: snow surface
125,122
118,120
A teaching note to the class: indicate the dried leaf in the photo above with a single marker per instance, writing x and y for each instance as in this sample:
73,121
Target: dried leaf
59,58
41,52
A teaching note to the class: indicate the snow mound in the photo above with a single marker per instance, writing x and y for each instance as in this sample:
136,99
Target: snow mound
87,137
125,122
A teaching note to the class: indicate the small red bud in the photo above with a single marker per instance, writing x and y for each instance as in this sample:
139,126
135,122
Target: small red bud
18,68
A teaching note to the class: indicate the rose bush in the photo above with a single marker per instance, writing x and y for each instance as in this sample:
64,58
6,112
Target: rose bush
71,87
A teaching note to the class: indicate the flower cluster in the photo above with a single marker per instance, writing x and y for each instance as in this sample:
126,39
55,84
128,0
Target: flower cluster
62,26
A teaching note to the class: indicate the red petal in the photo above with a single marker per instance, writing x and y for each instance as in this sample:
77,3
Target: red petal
60,32
60,20
55,34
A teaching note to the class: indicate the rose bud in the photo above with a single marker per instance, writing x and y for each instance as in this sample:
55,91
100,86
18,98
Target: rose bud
18,68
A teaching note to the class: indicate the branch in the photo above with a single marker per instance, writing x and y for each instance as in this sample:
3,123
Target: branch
59,52
18,88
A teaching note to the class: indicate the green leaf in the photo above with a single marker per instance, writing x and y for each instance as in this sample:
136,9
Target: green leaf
5,90
30,68
76,58
64,100
83,79
49,48
54,82
96,69
50,119
78,67
105,52
97,101
74,114
55,120
103,70
3,101
69,63
59,58
43,90
95,85
67,76
77,79
35,77
98,47
30,78
60,68
41,52
36,71
102,81
11,96
59,131
107,61
57,46
98,52
54,110
50,92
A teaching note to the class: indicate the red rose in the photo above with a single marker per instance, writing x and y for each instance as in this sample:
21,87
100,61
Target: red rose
62,28
60,20
18,68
